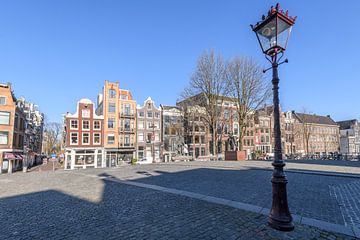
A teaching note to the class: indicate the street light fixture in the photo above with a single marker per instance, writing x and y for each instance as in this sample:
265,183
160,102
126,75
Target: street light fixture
273,33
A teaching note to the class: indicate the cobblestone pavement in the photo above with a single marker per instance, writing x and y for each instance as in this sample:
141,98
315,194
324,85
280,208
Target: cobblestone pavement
310,195
80,205
348,197
46,167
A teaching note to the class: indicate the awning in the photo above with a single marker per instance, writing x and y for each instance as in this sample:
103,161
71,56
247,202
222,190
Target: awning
13,156
9,156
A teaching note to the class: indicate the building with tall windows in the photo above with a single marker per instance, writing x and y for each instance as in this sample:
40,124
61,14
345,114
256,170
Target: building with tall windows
149,144
119,110
12,131
172,136
127,125
84,143
349,137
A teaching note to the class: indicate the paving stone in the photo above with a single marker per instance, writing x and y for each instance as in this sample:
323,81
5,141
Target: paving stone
75,205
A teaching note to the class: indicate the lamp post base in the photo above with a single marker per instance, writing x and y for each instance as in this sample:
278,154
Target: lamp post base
281,225
280,217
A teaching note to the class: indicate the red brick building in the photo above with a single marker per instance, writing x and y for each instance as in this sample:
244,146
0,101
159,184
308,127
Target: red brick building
84,143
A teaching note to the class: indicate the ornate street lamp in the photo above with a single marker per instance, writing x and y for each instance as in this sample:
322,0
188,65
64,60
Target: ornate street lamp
273,33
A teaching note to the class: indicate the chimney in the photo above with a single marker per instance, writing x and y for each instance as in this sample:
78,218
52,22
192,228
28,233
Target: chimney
328,116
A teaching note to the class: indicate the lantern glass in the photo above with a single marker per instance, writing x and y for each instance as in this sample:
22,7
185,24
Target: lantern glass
283,33
273,36
267,35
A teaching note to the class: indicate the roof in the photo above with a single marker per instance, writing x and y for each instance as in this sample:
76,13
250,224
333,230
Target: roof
315,119
346,124
201,99
85,101
167,107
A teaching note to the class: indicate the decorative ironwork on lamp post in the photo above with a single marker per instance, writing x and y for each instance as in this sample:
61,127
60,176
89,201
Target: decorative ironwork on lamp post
273,33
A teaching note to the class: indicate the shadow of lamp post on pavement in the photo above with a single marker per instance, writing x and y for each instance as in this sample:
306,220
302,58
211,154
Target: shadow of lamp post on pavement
273,32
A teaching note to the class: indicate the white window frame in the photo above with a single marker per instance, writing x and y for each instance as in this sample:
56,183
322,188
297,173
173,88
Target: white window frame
77,124
82,139
142,135
141,124
107,138
87,111
7,137
95,143
110,103
85,129
9,119
77,138
114,123
99,125
5,98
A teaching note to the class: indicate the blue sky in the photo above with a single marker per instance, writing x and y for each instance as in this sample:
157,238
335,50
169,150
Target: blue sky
57,52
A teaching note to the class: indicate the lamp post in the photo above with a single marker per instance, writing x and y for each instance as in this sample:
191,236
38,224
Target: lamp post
273,33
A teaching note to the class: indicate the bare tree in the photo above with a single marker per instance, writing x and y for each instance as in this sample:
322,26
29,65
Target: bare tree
249,90
305,128
207,88
52,137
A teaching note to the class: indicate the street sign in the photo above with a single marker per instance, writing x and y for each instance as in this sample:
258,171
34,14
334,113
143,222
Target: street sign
53,155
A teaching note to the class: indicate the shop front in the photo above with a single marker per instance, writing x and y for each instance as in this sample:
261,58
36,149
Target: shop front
83,158
12,161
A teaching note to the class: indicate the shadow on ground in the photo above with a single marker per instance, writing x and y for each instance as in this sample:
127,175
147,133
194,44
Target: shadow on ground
128,212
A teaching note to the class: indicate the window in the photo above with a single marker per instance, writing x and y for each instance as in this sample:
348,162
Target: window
236,129
2,100
157,115
97,125
140,153
111,139
226,114
202,151
124,97
112,93
150,125
74,138
111,123
4,137
149,137
149,114
85,125
140,137
4,118
111,108
85,139
127,124
126,109
141,114
140,124
127,141
74,124
97,138
85,113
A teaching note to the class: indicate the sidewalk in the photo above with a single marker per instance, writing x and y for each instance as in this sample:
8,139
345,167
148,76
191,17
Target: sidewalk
46,167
